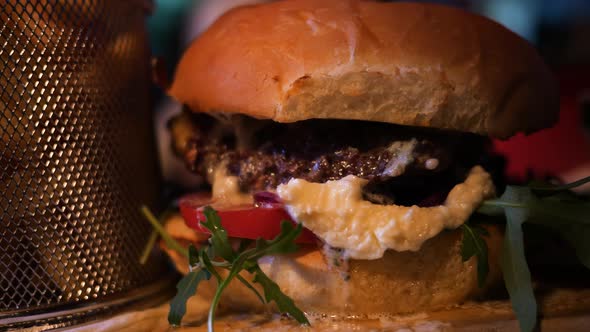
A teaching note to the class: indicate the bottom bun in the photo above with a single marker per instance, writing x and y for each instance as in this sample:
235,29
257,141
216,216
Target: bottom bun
400,282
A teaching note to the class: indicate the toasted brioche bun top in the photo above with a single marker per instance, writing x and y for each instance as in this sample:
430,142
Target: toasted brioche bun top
403,63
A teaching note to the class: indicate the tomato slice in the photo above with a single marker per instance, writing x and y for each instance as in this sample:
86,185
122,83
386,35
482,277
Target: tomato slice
240,221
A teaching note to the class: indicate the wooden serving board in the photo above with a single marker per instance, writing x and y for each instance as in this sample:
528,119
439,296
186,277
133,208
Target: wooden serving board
562,310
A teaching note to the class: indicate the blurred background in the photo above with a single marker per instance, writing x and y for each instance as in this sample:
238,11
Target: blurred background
560,30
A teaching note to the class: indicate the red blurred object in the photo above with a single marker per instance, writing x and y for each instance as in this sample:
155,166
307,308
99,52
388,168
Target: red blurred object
557,150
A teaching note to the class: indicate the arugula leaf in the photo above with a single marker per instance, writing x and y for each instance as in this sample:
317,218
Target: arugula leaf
170,242
203,266
562,211
517,276
579,238
193,256
153,238
205,260
245,244
205,263
544,204
148,248
284,243
251,287
518,204
541,188
237,266
272,292
186,287
219,239
473,244
553,211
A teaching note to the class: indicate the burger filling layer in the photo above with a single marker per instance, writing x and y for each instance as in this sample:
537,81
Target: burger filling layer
394,159
363,187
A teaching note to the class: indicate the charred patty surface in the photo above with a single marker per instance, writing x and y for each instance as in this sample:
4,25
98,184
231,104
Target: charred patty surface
264,154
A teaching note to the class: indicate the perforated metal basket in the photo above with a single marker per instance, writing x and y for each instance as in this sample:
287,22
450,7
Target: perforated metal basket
77,160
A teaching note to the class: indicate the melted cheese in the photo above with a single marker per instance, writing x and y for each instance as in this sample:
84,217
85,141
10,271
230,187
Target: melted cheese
403,155
225,188
336,212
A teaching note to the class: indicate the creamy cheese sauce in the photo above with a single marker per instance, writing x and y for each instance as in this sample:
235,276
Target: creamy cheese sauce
291,272
336,213
403,156
336,260
226,188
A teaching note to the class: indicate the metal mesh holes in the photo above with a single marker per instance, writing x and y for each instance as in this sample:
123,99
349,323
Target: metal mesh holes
76,153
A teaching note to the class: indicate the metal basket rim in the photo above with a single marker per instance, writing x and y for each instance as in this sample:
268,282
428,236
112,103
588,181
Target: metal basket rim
150,294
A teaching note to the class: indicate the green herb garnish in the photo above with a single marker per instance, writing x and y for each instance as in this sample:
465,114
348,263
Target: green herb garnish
170,242
186,288
473,244
546,205
547,187
220,254
219,239
153,237
517,276
272,292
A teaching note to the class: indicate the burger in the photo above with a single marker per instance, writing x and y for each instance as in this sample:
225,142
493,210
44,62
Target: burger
367,123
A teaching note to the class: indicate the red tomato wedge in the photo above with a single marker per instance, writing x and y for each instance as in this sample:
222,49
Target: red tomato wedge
241,221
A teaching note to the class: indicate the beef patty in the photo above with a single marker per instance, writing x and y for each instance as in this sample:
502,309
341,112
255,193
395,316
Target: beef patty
264,154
